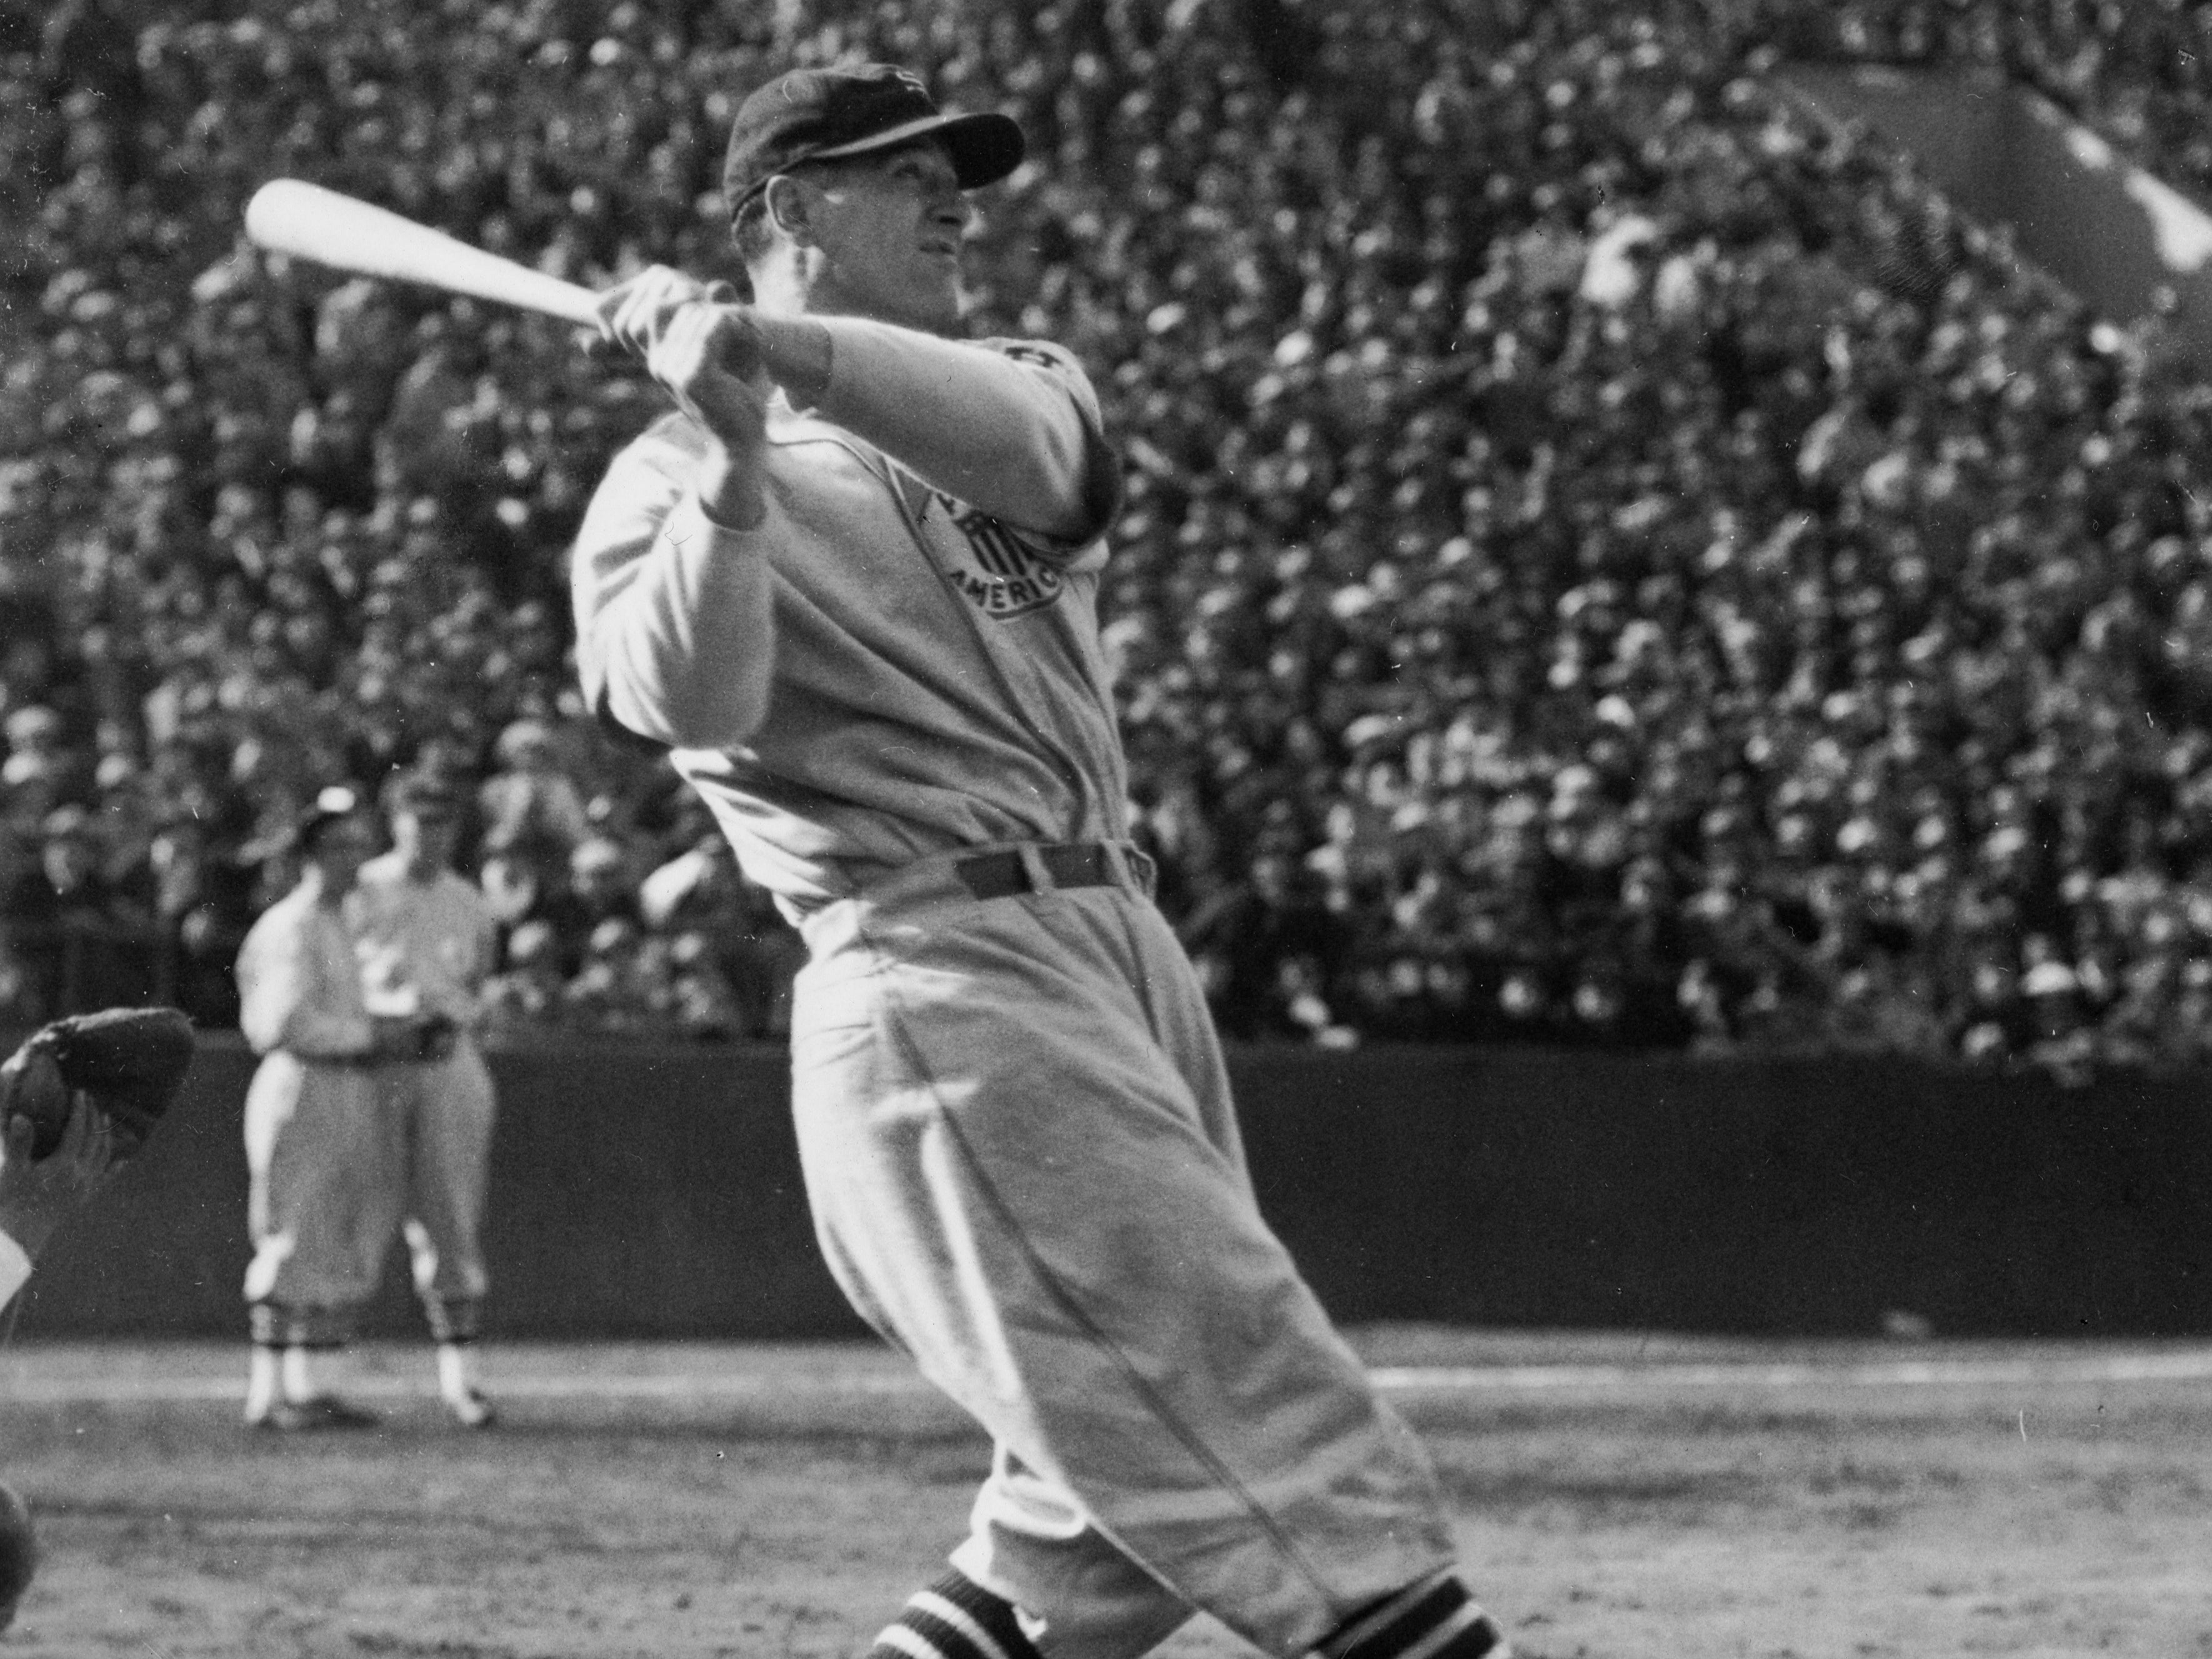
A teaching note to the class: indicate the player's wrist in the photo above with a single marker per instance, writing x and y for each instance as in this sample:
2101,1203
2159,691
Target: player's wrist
798,353
729,489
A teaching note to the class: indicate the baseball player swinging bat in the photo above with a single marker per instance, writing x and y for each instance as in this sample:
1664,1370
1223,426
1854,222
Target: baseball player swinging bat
289,216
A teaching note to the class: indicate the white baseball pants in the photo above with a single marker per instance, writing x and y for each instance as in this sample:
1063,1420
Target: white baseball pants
340,1156
1025,1170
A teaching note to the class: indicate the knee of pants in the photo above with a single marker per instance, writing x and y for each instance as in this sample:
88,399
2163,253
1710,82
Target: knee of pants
450,1270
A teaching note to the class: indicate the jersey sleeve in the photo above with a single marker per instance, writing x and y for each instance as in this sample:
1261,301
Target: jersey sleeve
674,630
1100,482
1011,427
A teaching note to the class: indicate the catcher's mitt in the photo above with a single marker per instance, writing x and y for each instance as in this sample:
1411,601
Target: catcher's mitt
131,1062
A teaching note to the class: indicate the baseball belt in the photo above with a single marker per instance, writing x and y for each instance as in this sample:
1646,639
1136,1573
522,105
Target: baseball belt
1069,864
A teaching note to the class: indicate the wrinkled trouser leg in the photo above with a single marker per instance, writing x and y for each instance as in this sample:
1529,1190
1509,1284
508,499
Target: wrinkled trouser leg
1025,1170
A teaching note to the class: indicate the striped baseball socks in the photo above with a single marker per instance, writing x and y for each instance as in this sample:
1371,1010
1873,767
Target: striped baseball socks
955,1618
1433,1618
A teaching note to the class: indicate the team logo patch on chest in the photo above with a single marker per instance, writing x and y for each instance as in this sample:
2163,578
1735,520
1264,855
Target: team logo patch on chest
991,567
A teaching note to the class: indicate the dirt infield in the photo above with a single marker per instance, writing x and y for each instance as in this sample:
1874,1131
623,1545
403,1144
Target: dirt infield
1616,1496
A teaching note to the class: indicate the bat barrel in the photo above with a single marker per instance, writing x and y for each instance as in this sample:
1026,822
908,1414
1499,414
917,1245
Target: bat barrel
306,221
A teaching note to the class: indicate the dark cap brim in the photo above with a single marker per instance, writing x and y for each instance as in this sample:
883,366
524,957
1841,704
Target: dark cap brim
984,147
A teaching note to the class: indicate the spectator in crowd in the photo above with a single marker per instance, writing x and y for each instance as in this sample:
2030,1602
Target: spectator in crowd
523,999
520,877
733,941
704,1006
601,887
618,983
77,934
1268,948
36,749
530,800
203,905
1481,439
700,887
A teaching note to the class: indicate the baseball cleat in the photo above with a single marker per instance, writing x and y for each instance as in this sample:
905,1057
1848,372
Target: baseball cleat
312,1415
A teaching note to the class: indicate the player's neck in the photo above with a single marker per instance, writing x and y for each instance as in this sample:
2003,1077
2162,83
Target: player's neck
795,288
780,287
323,892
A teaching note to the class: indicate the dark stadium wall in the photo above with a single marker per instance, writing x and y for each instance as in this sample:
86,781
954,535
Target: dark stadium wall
2109,231
655,1192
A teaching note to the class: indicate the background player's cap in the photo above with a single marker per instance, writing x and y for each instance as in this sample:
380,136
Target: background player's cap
333,804
822,114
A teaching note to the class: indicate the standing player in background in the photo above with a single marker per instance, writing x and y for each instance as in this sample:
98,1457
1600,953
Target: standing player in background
852,583
429,944
324,1168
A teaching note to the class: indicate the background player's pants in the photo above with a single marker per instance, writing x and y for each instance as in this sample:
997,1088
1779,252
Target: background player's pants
442,1110
314,1206
1025,1170
337,1156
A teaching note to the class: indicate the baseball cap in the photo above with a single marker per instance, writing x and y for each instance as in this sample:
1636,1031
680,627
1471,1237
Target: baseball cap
823,114
330,804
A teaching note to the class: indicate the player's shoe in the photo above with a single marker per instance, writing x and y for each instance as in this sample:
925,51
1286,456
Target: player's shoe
312,1415
471,1410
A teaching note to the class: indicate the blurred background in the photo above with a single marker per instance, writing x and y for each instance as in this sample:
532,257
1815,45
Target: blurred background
1621,553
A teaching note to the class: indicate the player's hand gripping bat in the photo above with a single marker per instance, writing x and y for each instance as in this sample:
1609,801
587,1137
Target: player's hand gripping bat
289,216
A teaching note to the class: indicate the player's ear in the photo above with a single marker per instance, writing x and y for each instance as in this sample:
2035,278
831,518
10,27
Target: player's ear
786,199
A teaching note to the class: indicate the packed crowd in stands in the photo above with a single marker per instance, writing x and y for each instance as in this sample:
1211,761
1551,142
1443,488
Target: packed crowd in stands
1607,562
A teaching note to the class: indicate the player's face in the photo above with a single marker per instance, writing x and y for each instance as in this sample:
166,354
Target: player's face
427,838
890,228
340,851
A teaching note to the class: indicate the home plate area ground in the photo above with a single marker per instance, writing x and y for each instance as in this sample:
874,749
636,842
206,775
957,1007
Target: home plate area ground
1618,1497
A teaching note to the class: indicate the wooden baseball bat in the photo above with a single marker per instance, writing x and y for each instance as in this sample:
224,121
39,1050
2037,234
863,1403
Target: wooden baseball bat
289,216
